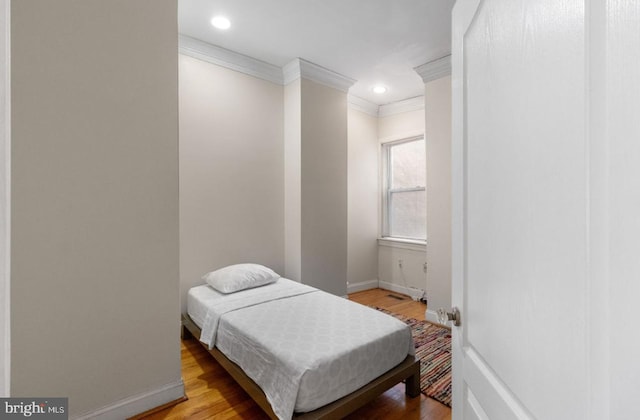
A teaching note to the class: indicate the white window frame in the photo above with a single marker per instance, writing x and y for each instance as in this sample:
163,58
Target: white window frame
386,191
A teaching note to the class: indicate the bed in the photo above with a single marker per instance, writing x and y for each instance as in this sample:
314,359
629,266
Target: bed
300,352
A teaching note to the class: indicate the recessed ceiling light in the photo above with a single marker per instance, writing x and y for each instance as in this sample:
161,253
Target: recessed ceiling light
379,89
221,22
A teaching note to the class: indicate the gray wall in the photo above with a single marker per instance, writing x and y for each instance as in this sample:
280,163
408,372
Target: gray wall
4,204
94,277
231,171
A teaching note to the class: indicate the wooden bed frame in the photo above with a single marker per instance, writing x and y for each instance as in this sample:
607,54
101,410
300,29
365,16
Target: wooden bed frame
408,371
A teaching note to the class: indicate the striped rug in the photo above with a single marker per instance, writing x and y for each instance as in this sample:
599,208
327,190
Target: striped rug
433,348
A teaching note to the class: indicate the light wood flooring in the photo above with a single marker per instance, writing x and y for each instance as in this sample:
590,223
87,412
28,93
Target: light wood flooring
213,394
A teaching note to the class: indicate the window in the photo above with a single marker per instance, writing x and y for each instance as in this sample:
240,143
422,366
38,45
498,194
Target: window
404,192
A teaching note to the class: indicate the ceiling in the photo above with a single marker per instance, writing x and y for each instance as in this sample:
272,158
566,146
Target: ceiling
371,41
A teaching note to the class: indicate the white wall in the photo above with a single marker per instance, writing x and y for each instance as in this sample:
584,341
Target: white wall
400,126
401,267
263,176
293,180
411,274
324,187
310,145
363,200
435,122
438,142
94,270
231,171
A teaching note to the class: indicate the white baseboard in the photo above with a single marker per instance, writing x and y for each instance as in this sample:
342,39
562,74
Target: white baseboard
137,404
398,289
431,316
363,285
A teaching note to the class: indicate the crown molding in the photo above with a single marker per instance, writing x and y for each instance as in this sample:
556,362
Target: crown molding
406,105
248,65
435,69
229,59
362,105
300,68
291,71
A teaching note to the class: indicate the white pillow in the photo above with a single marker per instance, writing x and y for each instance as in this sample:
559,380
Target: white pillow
238,277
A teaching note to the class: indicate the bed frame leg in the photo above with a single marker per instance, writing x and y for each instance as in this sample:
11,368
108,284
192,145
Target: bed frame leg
184,332
412,384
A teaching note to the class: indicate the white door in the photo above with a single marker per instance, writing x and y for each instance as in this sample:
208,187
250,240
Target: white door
546,209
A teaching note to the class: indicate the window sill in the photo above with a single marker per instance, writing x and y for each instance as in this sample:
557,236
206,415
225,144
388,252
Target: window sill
410,244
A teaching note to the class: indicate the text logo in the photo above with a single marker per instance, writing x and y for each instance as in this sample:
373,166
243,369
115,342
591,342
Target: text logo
34,408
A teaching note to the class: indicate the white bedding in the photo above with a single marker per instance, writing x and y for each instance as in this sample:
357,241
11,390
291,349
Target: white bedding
305,348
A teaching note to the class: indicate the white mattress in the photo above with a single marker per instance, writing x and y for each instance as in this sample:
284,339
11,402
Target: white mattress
305,348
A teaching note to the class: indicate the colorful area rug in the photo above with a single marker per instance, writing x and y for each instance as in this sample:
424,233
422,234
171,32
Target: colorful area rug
433,348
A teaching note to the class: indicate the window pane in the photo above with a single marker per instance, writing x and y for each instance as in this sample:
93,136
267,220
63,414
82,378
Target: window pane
408,214
408,164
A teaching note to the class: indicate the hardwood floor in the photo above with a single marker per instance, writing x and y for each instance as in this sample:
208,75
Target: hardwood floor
383,299
213,394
